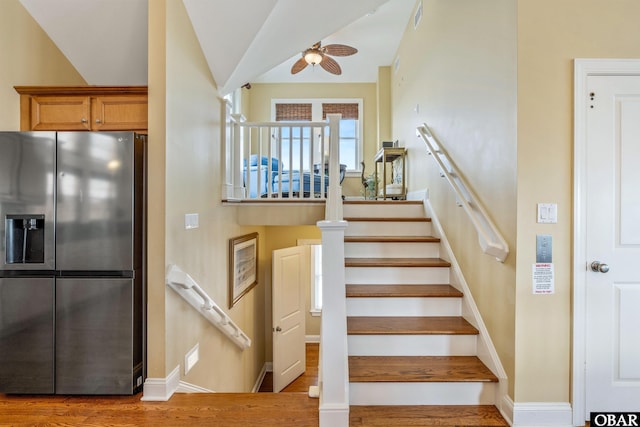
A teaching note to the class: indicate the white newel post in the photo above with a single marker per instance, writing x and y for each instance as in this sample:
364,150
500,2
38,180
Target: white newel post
334,364
333,207
334,368
236,160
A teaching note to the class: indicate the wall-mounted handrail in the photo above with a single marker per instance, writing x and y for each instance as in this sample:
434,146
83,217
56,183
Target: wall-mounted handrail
489,237
188,289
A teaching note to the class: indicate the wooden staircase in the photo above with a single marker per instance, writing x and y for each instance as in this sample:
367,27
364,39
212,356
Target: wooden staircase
408,342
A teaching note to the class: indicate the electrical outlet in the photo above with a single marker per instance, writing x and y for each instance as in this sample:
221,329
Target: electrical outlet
191,358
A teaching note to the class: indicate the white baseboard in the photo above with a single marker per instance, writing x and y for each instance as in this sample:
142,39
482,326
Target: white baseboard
161,389
543,414
332,415
185,387
312,338
261,375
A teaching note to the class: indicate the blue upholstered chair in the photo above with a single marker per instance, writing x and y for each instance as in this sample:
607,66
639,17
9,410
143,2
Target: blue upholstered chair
261,170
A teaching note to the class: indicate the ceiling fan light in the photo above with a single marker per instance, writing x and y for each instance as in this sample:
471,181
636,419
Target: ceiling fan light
312,57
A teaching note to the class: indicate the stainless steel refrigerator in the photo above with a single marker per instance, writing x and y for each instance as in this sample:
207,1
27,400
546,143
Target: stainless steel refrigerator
72,271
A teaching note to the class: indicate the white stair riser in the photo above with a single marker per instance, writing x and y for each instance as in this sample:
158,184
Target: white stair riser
384,211
396,275
458,393
404,306
412,345
390,228
391,250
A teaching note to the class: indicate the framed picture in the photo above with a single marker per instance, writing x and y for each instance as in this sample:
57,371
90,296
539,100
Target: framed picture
243,266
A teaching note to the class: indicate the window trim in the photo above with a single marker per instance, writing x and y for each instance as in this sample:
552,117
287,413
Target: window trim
313,309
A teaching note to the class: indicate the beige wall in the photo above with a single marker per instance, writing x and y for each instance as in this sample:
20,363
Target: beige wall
457,73
551,34
260,110
185,166
156,176
384,105
27,57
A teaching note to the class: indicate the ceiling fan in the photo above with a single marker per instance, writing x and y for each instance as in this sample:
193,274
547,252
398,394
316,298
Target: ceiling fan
318,54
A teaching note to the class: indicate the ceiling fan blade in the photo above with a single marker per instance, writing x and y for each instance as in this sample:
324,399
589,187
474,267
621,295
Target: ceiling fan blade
300,65
340,50
330,65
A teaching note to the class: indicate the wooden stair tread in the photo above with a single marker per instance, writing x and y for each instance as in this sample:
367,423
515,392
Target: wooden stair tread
396,262
418,369
410,325
425,415
388,219
391,239
402,291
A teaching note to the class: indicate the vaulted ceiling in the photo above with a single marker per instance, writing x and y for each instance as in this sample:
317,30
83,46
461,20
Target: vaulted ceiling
242,40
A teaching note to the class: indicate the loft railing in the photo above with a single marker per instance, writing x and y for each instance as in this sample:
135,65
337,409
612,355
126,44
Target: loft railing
489,237
188,289
280,160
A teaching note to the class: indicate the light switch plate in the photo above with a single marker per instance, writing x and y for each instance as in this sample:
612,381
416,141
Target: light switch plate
191,221
547,213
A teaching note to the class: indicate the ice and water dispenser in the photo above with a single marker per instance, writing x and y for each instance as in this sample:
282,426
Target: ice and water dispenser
24,239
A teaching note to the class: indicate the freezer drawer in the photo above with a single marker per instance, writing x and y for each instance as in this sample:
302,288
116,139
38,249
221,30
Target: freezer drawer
26,335
95,338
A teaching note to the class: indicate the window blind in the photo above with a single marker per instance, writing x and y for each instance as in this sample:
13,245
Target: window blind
293,112
348,111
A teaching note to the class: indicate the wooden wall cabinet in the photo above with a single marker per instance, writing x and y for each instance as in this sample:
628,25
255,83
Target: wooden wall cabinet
90,108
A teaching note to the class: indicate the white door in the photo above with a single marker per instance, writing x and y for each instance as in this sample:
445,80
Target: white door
291,280
612,306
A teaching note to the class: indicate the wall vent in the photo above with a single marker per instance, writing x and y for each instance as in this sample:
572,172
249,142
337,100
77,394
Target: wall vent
418,16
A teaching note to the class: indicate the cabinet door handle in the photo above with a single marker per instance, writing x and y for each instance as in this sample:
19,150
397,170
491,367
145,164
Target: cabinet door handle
83,120
98,121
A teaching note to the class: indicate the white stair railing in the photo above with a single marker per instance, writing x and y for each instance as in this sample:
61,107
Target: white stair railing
489,237
275,160
188,289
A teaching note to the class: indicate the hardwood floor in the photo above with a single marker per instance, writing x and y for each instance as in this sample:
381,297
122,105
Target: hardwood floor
197,409
304,381
291,408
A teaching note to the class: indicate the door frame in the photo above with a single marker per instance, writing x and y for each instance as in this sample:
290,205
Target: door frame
583,68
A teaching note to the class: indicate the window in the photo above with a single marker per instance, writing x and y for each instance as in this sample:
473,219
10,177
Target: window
294,140
316,279
316,110
315,267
